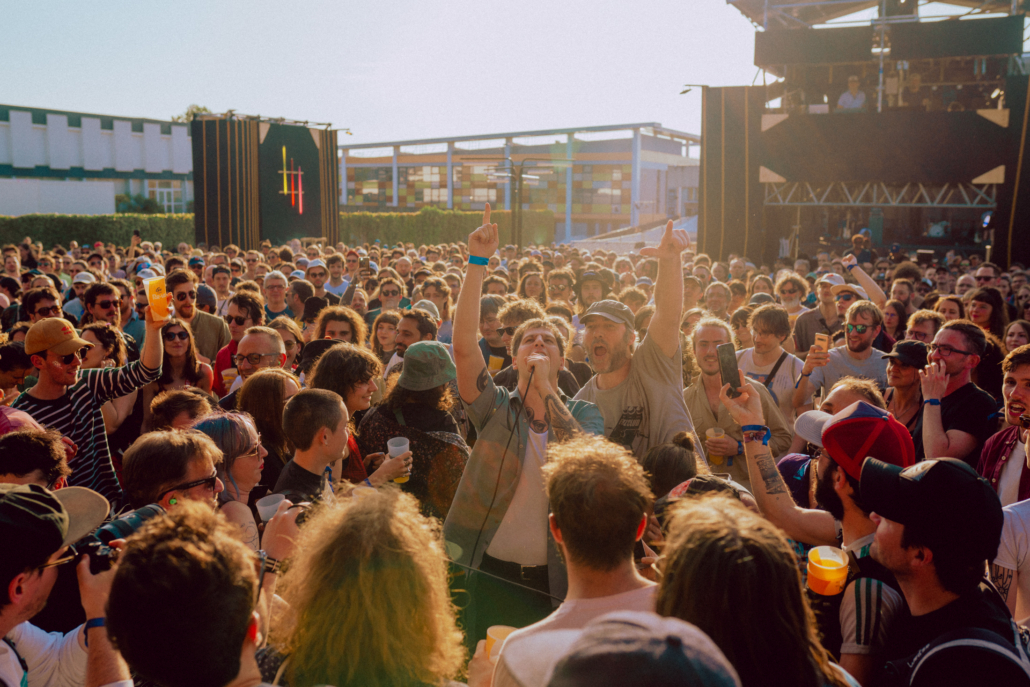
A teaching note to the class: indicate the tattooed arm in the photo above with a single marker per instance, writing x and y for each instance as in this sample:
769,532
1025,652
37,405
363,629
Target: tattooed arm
1005,580
559,417
800,524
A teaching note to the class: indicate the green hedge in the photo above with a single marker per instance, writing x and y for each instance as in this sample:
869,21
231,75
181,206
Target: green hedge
51,230
428,225
433,225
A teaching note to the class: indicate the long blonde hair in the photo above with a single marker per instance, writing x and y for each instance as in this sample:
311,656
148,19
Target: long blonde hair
369,597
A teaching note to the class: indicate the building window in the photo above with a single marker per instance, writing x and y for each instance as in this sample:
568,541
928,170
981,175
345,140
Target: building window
168,194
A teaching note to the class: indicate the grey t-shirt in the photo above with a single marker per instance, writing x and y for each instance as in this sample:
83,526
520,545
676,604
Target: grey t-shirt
843,365
647,408
808,325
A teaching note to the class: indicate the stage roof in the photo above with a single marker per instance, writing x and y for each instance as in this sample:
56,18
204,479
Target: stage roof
808,13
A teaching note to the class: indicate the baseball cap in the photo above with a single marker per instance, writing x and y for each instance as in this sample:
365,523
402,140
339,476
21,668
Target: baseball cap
35,522
645,281
854,288
299,274
963,511
831,278
429,307
317,262
84,278
142,274
635,647
613,310
761,298
858,431
911,353
54,334
427,365
196,261
206,296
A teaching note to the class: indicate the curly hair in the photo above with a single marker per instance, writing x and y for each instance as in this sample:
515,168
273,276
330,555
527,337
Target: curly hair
110,337
445,292
189,553
343,367
718,556
522,310
791,278
385,317
341,313
599,495
369,582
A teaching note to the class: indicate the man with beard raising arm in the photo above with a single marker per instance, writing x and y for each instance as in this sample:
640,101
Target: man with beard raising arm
640,392
854,623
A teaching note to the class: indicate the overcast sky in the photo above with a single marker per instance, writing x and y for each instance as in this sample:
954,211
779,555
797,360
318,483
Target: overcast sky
386,69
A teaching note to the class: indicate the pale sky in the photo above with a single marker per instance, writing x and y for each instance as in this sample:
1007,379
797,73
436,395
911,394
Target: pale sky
386,69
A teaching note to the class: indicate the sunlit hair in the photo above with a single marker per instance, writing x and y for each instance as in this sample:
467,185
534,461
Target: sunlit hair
542,298
721,556
110,337
385,317
710,322
765,279
235,435
598,495
341,313
791,278
866,388
285,324
157,461
864,307
191,371
543,323
263,397
343,367
440,285
169,405
369,597
522,310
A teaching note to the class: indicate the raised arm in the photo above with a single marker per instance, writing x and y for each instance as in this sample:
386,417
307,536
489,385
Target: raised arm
872,289
153,346
938,443
800,524
472,373
668,291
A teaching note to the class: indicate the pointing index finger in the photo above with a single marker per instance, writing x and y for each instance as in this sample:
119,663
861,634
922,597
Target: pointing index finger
486,214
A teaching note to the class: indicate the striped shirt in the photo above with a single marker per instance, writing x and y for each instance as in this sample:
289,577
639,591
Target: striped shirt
77,416
867,609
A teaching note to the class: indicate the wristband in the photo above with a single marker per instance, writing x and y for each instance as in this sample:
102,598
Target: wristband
751,433
740,448
851,267
368,483
90,624
272,565
476,260
932,401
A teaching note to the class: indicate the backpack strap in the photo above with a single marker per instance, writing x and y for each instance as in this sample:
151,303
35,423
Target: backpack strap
772,373
976,638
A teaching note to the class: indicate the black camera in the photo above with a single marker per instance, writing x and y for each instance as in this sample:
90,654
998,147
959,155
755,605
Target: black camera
96,545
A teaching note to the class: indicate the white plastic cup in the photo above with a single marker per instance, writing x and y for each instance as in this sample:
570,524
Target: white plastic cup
268,505
398,446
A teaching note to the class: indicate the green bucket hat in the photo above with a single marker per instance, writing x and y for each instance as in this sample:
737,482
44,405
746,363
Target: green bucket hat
427,365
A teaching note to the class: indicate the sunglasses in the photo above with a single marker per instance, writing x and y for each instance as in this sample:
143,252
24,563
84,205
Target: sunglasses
52,311
104,305
556,287
860,328
141,307
72,357
316,275
389,294
510,331
208,483
252,358
251,259
59,562
984,278
845,297
785,292
236,268
240,321
182,335
183,295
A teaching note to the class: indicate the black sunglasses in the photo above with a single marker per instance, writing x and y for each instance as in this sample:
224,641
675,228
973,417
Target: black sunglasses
510,331
141,307
182,335
389,294
240,321
845,297
207,483
72,357
52,311
860,328
183,295
104,305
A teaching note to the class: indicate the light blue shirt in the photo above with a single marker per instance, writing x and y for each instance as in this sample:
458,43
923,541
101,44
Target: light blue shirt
846,101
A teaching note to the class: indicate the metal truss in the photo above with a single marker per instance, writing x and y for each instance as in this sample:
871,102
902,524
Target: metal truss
879,194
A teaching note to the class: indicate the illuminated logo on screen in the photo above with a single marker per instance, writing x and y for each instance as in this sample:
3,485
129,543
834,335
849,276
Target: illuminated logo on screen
293,183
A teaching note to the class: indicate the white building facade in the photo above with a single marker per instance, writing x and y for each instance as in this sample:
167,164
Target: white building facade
76,163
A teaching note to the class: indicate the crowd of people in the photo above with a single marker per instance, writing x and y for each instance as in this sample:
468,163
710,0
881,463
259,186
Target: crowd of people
501,465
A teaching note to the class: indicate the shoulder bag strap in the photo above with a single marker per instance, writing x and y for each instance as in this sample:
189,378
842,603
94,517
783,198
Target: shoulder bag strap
776,368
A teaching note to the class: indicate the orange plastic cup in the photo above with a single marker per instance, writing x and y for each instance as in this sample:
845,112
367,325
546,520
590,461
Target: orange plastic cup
495,634
159,298
827,570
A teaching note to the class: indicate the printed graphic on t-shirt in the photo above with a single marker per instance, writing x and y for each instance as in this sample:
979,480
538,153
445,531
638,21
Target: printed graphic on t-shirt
628,429
760,378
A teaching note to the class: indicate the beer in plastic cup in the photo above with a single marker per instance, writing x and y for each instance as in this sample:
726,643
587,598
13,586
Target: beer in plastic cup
496,364
495,636
396,447
715,433
159,298
827,570
267,505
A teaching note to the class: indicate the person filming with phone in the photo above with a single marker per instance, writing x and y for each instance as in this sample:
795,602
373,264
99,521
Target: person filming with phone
857,358
723,437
